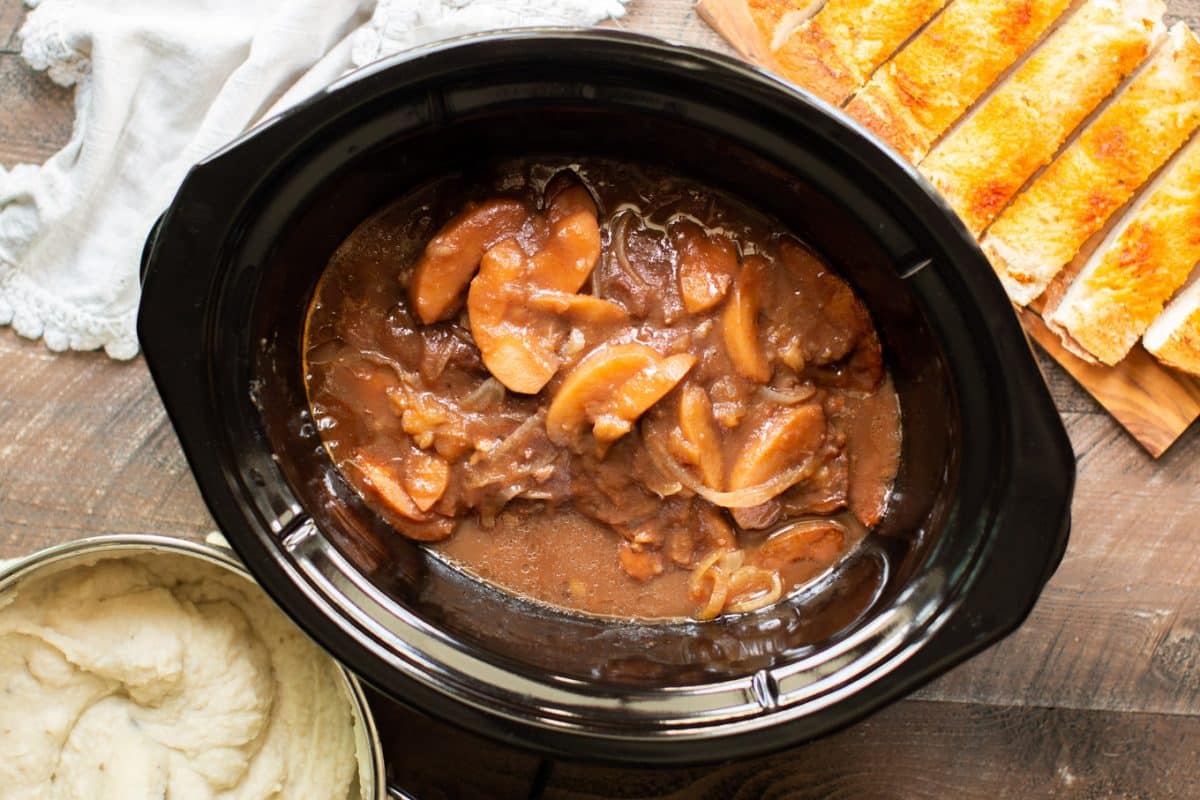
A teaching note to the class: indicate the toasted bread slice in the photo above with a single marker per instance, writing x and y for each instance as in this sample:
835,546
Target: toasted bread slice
776,19
834,52
1099,172
1174,338
1147,257
983,162
918,95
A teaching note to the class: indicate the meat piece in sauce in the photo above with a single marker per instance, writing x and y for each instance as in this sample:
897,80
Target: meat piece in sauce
681,530
706,265
524,464
815,324
607,489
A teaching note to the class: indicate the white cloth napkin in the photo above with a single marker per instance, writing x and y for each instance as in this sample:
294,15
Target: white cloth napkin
158,85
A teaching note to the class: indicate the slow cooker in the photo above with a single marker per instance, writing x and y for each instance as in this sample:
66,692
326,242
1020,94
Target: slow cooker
978,518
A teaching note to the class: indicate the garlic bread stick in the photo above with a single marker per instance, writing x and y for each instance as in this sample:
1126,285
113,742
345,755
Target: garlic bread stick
981,164
918,95
1047,224
1174,338
775,19
834,52
1145,259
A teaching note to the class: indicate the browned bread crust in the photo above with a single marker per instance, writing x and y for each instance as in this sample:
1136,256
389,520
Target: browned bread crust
983,163
1126,284
834,52
918,95
1174,338
1072,200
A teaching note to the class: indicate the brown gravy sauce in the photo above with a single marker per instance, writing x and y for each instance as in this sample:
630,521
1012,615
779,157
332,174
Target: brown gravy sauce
558,512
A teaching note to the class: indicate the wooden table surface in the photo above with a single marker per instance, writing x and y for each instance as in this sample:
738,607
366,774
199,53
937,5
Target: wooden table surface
1097,695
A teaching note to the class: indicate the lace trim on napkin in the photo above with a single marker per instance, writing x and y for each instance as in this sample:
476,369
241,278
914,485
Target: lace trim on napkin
44,45
400,24
37,314
32,311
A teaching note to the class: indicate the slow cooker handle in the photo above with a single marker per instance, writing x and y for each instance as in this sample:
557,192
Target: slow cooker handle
1032,529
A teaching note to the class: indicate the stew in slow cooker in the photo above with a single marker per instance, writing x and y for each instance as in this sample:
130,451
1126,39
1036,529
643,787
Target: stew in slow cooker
603,387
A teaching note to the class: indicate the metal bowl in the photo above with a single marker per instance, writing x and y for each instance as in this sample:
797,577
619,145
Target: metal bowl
98,548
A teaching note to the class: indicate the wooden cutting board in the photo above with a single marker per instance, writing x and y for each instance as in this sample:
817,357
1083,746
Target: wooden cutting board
1154,403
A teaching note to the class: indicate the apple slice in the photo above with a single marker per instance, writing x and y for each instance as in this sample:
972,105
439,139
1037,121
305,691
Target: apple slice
569,255
519,345
425,478
706,266
611,388
452,256
696,441
781,442
581,308
739,323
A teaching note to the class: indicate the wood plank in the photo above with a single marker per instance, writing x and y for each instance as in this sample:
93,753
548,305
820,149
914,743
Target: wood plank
86,449
1118,626
916,750
672,20
12,13
430,759
1155,403
737,26
37,114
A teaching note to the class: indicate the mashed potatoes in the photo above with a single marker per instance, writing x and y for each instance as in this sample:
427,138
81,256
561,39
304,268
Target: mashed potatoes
163,676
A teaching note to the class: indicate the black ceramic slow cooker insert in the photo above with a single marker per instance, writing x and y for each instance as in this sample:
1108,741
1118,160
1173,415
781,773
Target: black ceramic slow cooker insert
977,523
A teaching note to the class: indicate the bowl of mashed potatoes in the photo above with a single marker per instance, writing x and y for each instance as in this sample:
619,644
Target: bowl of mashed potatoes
146,667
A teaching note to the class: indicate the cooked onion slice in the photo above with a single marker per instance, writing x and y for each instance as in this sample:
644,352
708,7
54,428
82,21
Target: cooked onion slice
619,232
742,498
709,582
484,396
788,396
752,588
722,582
